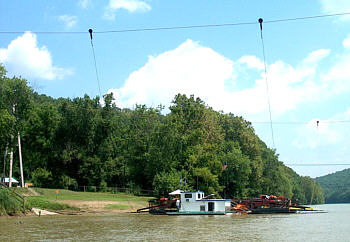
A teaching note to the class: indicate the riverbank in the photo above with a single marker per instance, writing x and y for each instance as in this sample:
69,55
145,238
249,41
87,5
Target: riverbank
64,201
11,203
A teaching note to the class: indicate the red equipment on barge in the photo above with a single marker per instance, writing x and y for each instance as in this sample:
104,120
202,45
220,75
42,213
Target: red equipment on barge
266,204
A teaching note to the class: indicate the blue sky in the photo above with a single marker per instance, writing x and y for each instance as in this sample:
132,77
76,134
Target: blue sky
308,62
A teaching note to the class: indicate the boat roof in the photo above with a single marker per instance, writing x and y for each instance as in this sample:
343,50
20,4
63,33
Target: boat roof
226,200
176,192
191,191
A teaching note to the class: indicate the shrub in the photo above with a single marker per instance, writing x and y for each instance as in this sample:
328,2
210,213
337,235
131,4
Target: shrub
67,182
133,188
42,178
103,186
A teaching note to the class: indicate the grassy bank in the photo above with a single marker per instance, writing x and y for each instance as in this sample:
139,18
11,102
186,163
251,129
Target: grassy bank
66,200
9,203
44,203
88,196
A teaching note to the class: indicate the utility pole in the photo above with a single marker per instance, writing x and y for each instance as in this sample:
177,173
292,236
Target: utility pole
11,153
4,170
20,158
10,172
19,154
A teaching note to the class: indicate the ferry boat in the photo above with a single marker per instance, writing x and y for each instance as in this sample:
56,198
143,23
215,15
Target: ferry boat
189,203
195,203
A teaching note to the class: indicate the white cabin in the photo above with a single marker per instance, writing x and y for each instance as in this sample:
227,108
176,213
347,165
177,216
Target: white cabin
195,202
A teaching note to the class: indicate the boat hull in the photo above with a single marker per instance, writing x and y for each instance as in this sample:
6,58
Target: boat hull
195,213
271,210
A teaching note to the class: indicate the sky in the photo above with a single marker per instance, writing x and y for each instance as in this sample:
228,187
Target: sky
307,63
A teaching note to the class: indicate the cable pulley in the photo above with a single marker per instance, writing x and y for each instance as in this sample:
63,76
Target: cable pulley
261,22
90,31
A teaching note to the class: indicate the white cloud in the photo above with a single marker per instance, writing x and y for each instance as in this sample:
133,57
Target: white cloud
195,69
346,42
334,81
190,69
336,6
346,114
131,6
83,3
316,56
252,62
315,134
337,78
69,21
326,132
24,57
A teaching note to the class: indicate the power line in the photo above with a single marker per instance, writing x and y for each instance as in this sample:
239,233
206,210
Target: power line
43,32
301,122
176,27
320,164
93,52
266,81
307,17
184,26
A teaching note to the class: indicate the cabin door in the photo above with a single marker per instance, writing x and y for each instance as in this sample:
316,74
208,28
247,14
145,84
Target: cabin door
211,206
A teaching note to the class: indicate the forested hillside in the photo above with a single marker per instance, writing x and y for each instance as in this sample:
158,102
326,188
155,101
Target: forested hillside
336,186
75,142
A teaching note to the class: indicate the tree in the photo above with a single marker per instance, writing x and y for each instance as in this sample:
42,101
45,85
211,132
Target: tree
15,101
166,182
82,141
236,171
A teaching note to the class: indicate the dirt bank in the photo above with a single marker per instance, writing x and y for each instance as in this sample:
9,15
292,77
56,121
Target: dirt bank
104,206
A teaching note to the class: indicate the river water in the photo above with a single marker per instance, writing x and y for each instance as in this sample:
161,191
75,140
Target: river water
331,226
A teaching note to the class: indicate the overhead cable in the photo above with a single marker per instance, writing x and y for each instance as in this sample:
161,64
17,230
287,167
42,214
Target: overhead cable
184,26
93,52
266,81
301,122
319,164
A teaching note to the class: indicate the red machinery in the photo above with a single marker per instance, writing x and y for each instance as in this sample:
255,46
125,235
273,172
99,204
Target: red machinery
264,204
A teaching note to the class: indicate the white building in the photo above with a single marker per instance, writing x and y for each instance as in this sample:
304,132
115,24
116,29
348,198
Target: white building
196,203
6,181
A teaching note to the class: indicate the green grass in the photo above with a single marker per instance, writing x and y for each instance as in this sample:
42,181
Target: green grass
47,199
118,206
89,196
9,204
44,203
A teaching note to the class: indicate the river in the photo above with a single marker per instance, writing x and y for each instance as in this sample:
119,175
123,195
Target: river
331,226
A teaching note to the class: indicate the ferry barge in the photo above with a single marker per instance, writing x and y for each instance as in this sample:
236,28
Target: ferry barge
188,203
195,203
269,204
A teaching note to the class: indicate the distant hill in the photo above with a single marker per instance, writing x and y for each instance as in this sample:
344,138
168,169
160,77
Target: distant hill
336,186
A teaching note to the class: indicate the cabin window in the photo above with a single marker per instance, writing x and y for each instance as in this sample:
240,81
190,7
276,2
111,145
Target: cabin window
199,195
188,195
202,208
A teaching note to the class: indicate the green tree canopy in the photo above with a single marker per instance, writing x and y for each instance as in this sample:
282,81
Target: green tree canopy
88,141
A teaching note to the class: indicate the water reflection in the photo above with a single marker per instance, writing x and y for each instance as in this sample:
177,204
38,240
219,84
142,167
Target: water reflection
331,226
